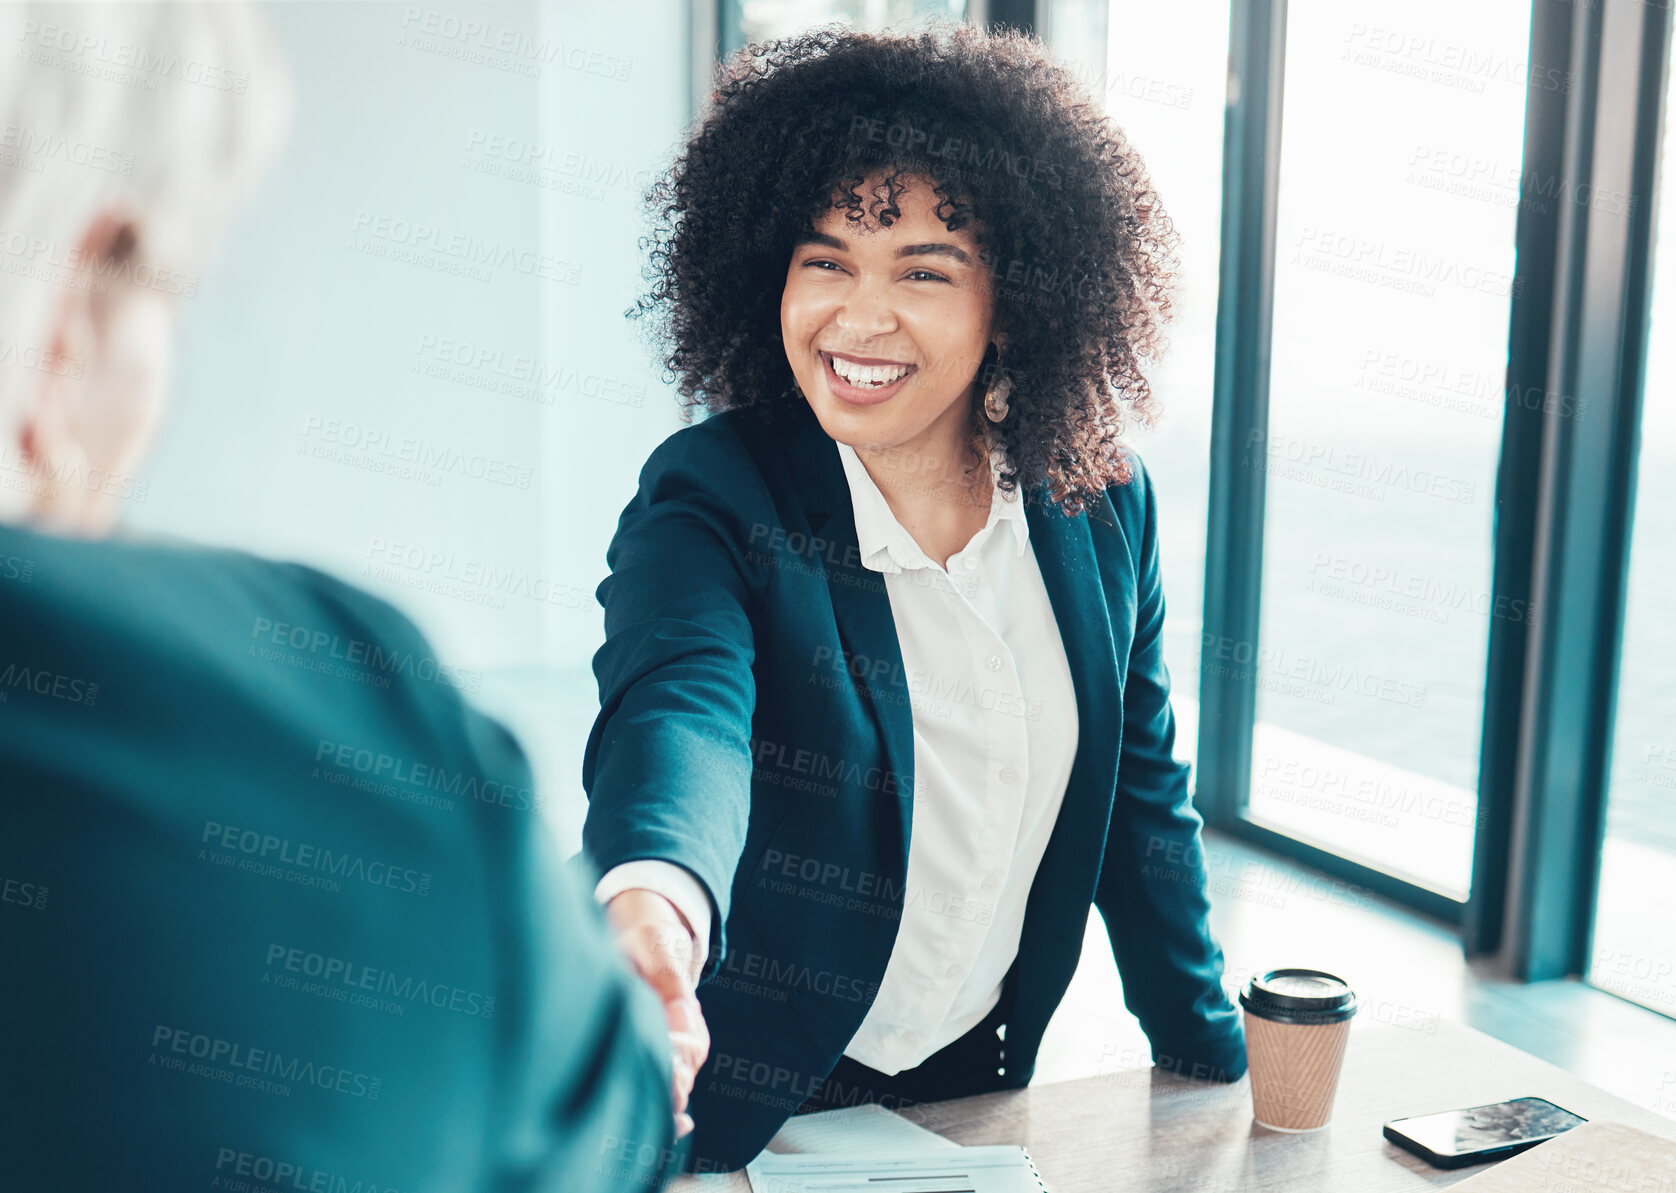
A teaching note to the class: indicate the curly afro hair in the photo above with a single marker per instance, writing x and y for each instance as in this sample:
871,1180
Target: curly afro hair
1081,254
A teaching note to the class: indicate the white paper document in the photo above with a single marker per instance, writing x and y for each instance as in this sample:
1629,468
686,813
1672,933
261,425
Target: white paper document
865,1130
998,1169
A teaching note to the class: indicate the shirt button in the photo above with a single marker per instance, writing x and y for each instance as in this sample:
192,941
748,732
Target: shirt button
954,971
910,1038
989,882
970,563
993,662
1008,774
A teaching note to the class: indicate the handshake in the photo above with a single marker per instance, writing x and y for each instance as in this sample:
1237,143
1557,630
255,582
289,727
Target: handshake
658,941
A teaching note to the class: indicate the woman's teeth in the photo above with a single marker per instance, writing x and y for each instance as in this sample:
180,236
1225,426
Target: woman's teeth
868,376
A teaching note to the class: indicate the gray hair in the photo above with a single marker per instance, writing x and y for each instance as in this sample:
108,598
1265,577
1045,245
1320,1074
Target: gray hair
164,111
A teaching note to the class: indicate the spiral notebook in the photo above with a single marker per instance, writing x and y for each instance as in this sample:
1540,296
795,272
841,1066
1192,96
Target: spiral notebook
993,1169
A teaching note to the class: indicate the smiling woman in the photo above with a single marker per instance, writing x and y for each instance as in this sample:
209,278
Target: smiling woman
875,716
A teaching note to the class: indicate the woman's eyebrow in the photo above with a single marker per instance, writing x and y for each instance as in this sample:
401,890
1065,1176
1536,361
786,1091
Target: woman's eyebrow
936,249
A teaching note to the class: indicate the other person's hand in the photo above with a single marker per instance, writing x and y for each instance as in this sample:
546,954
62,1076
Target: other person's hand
659,942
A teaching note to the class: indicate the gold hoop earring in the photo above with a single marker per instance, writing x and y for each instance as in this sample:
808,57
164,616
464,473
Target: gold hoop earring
996,395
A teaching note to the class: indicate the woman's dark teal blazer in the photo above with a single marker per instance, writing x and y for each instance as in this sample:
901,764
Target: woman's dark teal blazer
755,728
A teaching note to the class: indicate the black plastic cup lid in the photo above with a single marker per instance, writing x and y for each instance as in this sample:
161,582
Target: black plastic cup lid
1306,996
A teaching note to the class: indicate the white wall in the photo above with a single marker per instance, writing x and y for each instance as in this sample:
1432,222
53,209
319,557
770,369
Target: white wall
611,135
333,342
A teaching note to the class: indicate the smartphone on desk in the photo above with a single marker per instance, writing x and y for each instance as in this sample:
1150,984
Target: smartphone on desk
1456,1138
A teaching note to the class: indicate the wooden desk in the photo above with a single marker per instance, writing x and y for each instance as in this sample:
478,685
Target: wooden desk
1143,1130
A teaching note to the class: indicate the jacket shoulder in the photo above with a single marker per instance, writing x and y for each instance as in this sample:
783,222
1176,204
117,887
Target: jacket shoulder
144,588
275,647
723,461
724,443
1132,500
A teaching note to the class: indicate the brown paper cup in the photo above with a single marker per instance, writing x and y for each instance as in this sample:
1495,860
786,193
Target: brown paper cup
1294,1071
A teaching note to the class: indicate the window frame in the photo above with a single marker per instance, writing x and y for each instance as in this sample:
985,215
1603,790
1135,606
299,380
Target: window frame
1561,530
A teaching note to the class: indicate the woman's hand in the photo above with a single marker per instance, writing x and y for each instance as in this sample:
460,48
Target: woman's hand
658,941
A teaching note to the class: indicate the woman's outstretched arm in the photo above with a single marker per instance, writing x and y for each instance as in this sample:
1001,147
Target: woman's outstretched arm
667,765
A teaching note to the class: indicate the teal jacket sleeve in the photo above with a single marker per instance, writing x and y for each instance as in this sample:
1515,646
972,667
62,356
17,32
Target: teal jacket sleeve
1152,889
586,1073
667,766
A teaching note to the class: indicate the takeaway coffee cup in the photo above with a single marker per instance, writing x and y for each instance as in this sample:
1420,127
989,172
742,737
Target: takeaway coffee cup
1297,1022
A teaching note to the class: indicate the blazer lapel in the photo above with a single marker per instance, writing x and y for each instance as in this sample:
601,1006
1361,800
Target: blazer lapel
1070,568
861,607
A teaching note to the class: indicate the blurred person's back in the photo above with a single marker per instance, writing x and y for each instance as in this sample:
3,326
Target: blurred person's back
277,907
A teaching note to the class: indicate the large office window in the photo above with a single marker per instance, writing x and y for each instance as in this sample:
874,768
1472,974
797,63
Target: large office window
1634,950
1400,185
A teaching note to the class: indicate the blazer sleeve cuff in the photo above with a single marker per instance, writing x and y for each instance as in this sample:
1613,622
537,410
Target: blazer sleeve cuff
1212,1058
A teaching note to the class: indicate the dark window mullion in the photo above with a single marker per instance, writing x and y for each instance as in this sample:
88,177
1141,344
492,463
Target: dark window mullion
1596,351
1536,241
1240,402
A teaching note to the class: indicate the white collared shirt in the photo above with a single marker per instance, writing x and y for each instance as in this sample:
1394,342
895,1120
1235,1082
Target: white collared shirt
995,733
